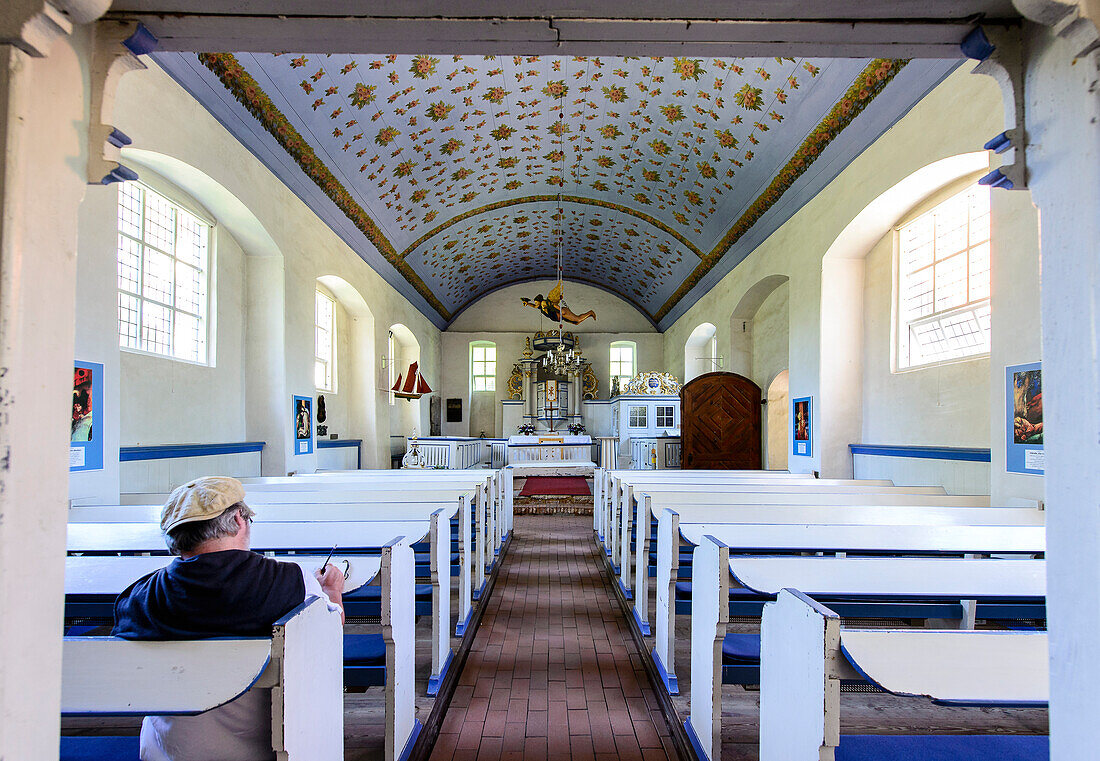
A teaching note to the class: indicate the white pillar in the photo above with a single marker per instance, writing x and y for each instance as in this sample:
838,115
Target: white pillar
267,401
44,106
1063,109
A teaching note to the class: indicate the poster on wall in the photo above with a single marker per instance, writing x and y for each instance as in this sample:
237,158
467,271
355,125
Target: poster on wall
802,422
454,410
303,425
86,435
1024,419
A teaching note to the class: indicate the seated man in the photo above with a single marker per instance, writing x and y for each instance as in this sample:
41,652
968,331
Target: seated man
216,587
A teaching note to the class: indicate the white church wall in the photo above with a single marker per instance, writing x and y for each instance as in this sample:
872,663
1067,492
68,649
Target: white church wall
265,305
922,136
771,338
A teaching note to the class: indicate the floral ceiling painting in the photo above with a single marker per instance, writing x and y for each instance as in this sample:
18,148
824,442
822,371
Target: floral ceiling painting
460,172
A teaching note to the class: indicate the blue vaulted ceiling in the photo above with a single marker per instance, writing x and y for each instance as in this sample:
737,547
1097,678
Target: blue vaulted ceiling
447,173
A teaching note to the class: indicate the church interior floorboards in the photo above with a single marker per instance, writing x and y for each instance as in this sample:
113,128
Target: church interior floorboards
553,672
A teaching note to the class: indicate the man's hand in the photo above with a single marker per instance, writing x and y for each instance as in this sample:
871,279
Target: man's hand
331,579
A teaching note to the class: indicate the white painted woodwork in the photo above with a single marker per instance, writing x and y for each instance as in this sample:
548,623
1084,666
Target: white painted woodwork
278,537
957,578
953,666
956,476
709,616
440,537
668,532
897,539
799,698
111,675
110,575
399,634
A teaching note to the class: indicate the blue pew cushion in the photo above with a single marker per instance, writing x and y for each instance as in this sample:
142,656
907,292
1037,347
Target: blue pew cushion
683,592
364,650
943,748
374,593
85,748
741,648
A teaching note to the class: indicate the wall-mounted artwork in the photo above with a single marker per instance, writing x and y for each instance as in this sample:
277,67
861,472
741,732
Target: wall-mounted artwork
454,410
303,425
1024,419
86,436
802,421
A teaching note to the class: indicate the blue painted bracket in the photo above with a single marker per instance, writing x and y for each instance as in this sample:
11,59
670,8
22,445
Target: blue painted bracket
415,733
626,592
668,679
460,627
642,625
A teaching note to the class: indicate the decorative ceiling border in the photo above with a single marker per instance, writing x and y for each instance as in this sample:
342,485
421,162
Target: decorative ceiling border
250,95
554,197
866,87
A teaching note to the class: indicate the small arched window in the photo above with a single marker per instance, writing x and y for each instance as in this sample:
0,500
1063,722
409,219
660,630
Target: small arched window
942,306
483,366
623,361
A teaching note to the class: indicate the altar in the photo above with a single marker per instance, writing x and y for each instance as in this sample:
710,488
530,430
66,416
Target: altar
565,448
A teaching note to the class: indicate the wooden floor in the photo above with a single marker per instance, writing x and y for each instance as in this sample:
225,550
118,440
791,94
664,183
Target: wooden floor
553,672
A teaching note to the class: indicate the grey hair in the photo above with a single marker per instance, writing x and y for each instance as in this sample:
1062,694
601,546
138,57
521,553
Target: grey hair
187,537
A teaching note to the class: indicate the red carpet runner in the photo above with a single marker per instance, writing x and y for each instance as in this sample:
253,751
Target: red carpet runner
555,486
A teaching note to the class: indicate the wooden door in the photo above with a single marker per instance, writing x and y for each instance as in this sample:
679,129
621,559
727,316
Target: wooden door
720,423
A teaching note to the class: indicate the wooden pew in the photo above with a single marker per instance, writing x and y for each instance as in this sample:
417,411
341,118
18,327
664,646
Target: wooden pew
945,537
309,538
636,511
808,654
889,506
301,662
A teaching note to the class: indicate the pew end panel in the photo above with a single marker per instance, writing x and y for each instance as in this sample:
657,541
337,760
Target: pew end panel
799,692
709,616
399,635
441,599
668,548
641,565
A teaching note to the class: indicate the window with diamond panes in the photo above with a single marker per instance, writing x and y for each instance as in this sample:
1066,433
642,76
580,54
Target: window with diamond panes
162,276
622,361
324,342
943,282
483,366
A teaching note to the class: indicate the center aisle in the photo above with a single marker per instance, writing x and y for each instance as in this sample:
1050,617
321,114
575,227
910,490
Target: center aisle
553,672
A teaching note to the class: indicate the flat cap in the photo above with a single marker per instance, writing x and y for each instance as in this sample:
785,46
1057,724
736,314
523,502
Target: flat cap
200,500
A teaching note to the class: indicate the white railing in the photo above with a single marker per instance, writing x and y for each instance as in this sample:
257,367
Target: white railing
455,454
498,453
608,452
521,453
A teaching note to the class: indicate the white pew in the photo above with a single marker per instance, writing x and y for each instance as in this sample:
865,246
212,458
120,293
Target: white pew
338,506
651,498
947,536
807,654
311,538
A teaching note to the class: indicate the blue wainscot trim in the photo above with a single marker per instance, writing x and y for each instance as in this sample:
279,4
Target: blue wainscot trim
169,451
693,738
336,443
415,733
435,681
967,454
671,684
642,625
461,626
625,590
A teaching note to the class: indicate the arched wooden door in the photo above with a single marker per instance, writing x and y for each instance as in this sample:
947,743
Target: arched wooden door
720,423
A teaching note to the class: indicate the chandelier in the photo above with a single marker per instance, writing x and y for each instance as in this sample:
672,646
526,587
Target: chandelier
561,360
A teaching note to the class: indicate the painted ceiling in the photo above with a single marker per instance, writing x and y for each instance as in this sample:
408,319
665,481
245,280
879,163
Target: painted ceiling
462,172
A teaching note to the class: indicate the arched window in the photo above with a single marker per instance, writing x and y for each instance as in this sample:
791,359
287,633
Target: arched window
942,306
391,364
324,342
701,351
623,361
483,366
163,276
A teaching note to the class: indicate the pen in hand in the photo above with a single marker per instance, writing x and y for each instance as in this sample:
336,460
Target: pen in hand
324,565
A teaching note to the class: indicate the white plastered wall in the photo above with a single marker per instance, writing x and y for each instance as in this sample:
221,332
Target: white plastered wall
796,249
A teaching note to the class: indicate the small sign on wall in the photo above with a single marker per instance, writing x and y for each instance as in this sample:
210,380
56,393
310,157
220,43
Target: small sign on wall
454,410
303,425
86,434
1024,419
802,425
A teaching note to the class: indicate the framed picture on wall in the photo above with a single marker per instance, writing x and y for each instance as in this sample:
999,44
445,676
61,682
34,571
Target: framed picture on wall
454,410
303,425
802,423
1024,419
86,435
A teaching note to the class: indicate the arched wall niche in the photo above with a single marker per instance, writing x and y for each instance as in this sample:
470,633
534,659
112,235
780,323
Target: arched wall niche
405,414
700,351
741,325
356,390
777,422
840,411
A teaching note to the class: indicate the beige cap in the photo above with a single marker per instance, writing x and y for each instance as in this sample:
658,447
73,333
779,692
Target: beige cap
200,500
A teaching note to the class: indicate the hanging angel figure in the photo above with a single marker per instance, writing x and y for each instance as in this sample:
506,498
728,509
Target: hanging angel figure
554,307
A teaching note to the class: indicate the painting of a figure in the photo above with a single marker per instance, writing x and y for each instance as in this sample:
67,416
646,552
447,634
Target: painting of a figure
83,405
802,420
302,426
1027,404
